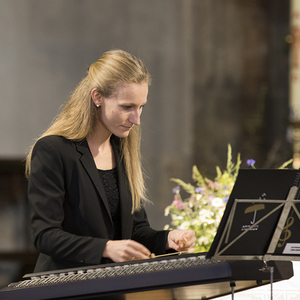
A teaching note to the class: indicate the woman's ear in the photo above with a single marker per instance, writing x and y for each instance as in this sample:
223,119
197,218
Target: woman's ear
96,97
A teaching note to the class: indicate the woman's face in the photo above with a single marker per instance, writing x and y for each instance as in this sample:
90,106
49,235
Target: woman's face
119,112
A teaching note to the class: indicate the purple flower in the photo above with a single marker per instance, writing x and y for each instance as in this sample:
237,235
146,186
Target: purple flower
251,162
176,189
226,187
198,190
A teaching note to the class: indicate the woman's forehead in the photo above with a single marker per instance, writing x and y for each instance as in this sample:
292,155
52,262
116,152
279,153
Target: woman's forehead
131,91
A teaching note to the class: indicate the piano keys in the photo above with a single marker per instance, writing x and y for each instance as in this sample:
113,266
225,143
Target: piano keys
187,276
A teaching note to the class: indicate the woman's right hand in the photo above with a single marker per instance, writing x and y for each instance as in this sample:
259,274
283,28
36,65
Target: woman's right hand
125,250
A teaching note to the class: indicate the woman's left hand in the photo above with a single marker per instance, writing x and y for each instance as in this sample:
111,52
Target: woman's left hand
181,240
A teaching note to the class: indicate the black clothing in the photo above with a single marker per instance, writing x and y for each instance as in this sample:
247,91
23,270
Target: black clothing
70,212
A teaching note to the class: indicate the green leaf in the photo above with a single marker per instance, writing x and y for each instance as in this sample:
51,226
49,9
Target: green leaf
219,173
237,166
229,159
197,177
186,186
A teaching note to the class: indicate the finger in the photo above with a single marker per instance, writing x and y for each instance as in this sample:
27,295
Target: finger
137,251
140,248
138,256
183,243
188,234
187,240
181,234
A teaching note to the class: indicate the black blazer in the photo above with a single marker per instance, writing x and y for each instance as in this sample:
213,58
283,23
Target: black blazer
70,216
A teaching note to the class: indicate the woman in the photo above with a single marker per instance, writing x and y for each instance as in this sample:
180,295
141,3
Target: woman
86,187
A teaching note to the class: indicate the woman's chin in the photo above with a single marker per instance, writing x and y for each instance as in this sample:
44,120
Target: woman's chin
123,134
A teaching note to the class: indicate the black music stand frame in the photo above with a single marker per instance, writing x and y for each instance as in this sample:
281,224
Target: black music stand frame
286,206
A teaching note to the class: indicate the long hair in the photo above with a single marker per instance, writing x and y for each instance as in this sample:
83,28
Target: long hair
78,117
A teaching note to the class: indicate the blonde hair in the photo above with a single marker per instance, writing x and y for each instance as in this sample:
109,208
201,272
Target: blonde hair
78,117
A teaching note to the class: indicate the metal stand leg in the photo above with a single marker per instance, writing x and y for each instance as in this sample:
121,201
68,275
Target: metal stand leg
266,268
232,285
271,281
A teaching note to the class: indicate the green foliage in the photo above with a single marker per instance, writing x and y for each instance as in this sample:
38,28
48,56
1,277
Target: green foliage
203,209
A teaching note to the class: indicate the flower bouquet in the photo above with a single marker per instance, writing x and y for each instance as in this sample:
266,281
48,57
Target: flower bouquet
203,209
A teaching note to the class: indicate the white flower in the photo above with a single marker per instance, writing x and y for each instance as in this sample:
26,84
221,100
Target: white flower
198,197
217,202
203,240
206,213
176,217
206,220
185,225
210,221
219,213
167,210
211,230
196,222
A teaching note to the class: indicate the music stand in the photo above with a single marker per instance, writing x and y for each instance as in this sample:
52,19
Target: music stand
261,220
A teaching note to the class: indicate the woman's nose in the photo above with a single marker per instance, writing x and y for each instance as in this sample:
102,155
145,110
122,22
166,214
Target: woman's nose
135,117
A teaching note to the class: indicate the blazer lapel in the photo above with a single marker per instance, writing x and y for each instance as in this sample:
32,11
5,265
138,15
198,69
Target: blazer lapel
90,167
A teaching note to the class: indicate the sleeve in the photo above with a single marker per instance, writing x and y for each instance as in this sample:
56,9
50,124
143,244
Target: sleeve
46,193
154,240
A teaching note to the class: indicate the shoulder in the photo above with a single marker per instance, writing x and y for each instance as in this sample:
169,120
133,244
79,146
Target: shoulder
55,150
54,143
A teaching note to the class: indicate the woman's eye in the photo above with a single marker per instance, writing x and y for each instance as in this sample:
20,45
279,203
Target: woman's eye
126,107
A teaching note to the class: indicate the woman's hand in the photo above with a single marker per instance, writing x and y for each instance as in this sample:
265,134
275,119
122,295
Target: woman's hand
181,240
125,250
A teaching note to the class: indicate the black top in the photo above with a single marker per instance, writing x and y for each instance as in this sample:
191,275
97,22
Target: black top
110,183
